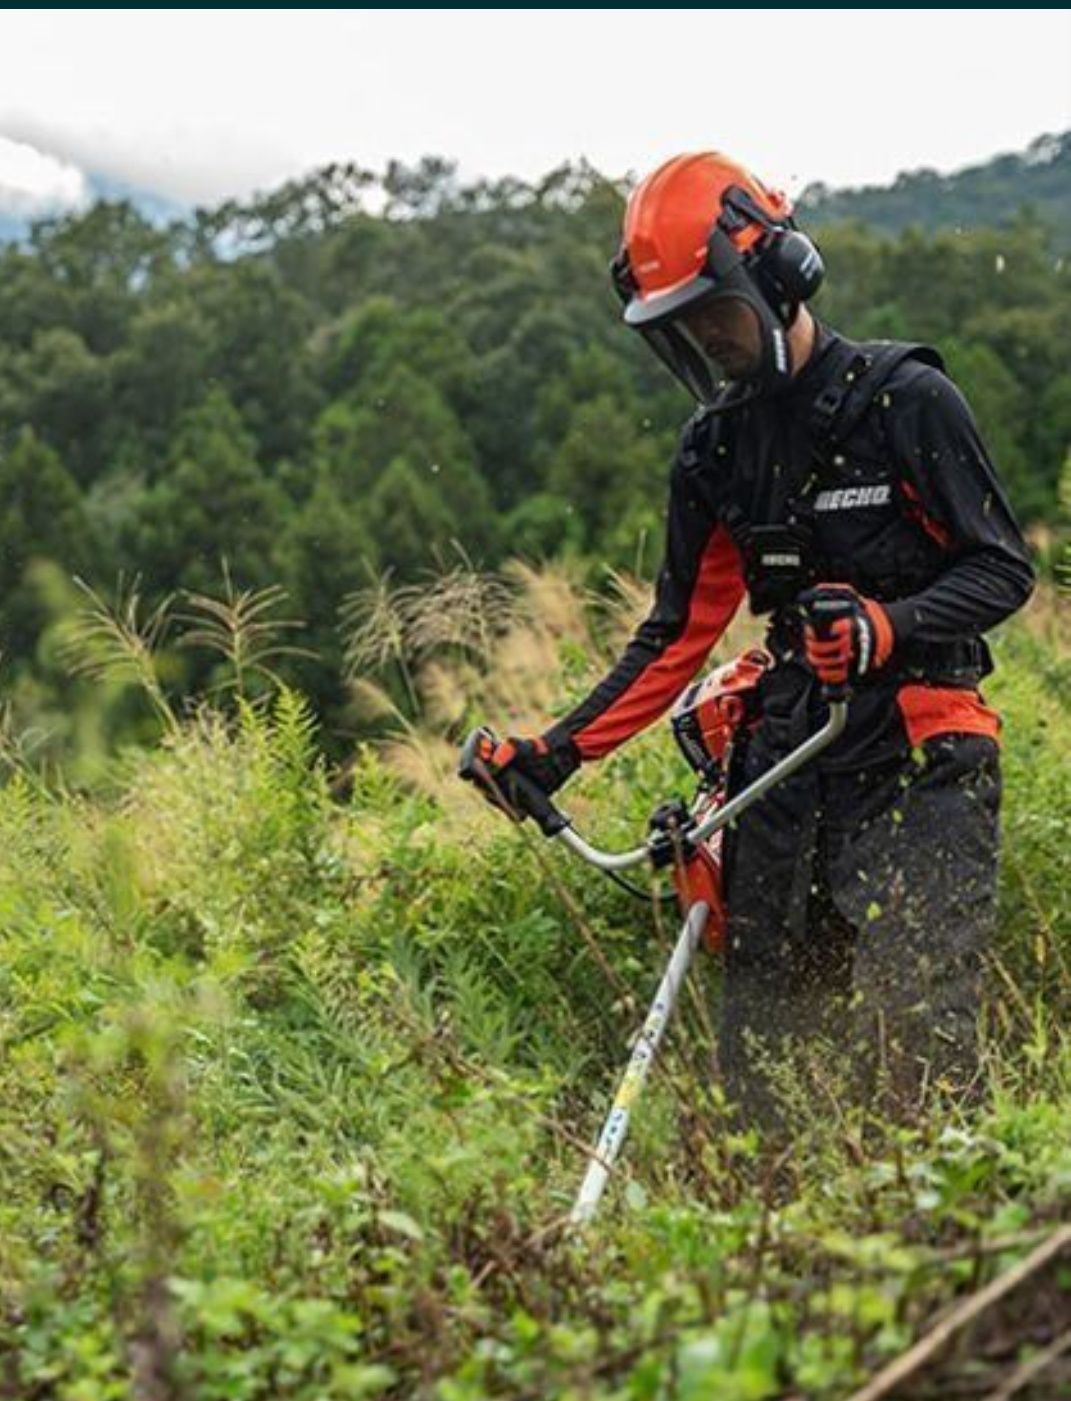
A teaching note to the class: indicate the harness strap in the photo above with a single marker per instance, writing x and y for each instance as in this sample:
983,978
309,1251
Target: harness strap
841,406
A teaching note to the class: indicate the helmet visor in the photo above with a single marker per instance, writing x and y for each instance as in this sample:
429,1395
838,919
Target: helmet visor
726,330
714,342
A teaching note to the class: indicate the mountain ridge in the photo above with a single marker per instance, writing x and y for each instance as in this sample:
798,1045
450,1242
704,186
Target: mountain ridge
987,193
1038,178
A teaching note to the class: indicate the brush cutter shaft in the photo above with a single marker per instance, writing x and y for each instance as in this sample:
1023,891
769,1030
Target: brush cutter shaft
643,1054
802,754
604,860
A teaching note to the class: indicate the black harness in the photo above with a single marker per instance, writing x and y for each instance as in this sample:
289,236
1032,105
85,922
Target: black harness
782,556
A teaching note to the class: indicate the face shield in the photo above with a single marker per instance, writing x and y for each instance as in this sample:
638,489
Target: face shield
716,341
715,330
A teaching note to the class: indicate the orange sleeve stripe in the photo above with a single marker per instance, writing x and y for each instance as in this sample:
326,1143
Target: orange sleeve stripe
719,587
933,528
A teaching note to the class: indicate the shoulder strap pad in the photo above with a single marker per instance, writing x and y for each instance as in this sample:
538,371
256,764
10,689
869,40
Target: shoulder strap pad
695,439
857,379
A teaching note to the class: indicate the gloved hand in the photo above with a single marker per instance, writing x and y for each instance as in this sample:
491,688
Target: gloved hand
855,645
546,763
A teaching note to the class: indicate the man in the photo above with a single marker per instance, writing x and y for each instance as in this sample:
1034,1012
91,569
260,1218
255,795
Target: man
861,894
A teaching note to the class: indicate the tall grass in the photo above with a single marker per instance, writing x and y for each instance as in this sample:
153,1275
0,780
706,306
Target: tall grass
299,1068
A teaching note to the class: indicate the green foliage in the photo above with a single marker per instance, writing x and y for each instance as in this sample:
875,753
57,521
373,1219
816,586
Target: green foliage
295,1089
543,526
611,467
212,504
308,389
997,401
1037,178
41,517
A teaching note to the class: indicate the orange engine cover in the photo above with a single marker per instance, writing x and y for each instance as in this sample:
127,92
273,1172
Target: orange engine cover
700,878
709,713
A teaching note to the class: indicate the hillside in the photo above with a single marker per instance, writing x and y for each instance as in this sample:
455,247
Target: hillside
987,195
361,374
299,1070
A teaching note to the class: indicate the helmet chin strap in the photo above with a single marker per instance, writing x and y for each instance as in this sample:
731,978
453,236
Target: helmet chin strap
774,370
773,373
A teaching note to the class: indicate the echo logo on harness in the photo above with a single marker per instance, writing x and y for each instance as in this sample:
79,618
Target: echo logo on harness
850,497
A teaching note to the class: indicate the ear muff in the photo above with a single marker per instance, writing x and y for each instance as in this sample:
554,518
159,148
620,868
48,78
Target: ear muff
786,263
625,284
789,269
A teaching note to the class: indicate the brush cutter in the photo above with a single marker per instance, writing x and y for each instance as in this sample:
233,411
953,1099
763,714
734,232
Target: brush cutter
708,721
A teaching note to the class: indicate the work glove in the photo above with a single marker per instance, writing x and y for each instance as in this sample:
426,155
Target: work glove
518,775
855,645
546,763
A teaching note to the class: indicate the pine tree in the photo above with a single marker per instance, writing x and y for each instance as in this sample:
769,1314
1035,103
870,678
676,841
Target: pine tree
214,503
41,517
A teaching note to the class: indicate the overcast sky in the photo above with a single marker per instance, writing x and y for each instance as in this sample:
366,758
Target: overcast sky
202,104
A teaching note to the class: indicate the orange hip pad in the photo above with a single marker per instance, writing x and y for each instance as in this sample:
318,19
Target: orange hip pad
939,710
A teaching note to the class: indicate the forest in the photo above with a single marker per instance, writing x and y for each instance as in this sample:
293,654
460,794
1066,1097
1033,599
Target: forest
304,1047
362,375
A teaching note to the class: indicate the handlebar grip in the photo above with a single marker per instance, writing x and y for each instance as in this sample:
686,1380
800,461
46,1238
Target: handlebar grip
534,803
518,797
822,613
477,749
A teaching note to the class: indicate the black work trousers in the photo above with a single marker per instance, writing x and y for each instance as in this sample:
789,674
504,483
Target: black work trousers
860,905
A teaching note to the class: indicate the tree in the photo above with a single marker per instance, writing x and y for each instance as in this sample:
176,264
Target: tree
1052,433
213,503
259,331
608,466
31,299
159,374
327,552
542,526
998,403
380,335
402,417
65,397
410,520
41,517
104,258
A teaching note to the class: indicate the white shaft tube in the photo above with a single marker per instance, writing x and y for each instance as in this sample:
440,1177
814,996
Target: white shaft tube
643,1054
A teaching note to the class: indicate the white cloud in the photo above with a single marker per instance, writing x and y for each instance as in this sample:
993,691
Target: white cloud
205,104
33,183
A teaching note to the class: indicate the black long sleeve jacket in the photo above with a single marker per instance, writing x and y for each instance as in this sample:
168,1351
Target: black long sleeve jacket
911,513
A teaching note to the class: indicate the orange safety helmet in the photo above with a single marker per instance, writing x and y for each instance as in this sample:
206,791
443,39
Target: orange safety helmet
702,227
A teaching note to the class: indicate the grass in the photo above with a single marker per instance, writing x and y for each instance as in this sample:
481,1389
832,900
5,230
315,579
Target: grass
299,1068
